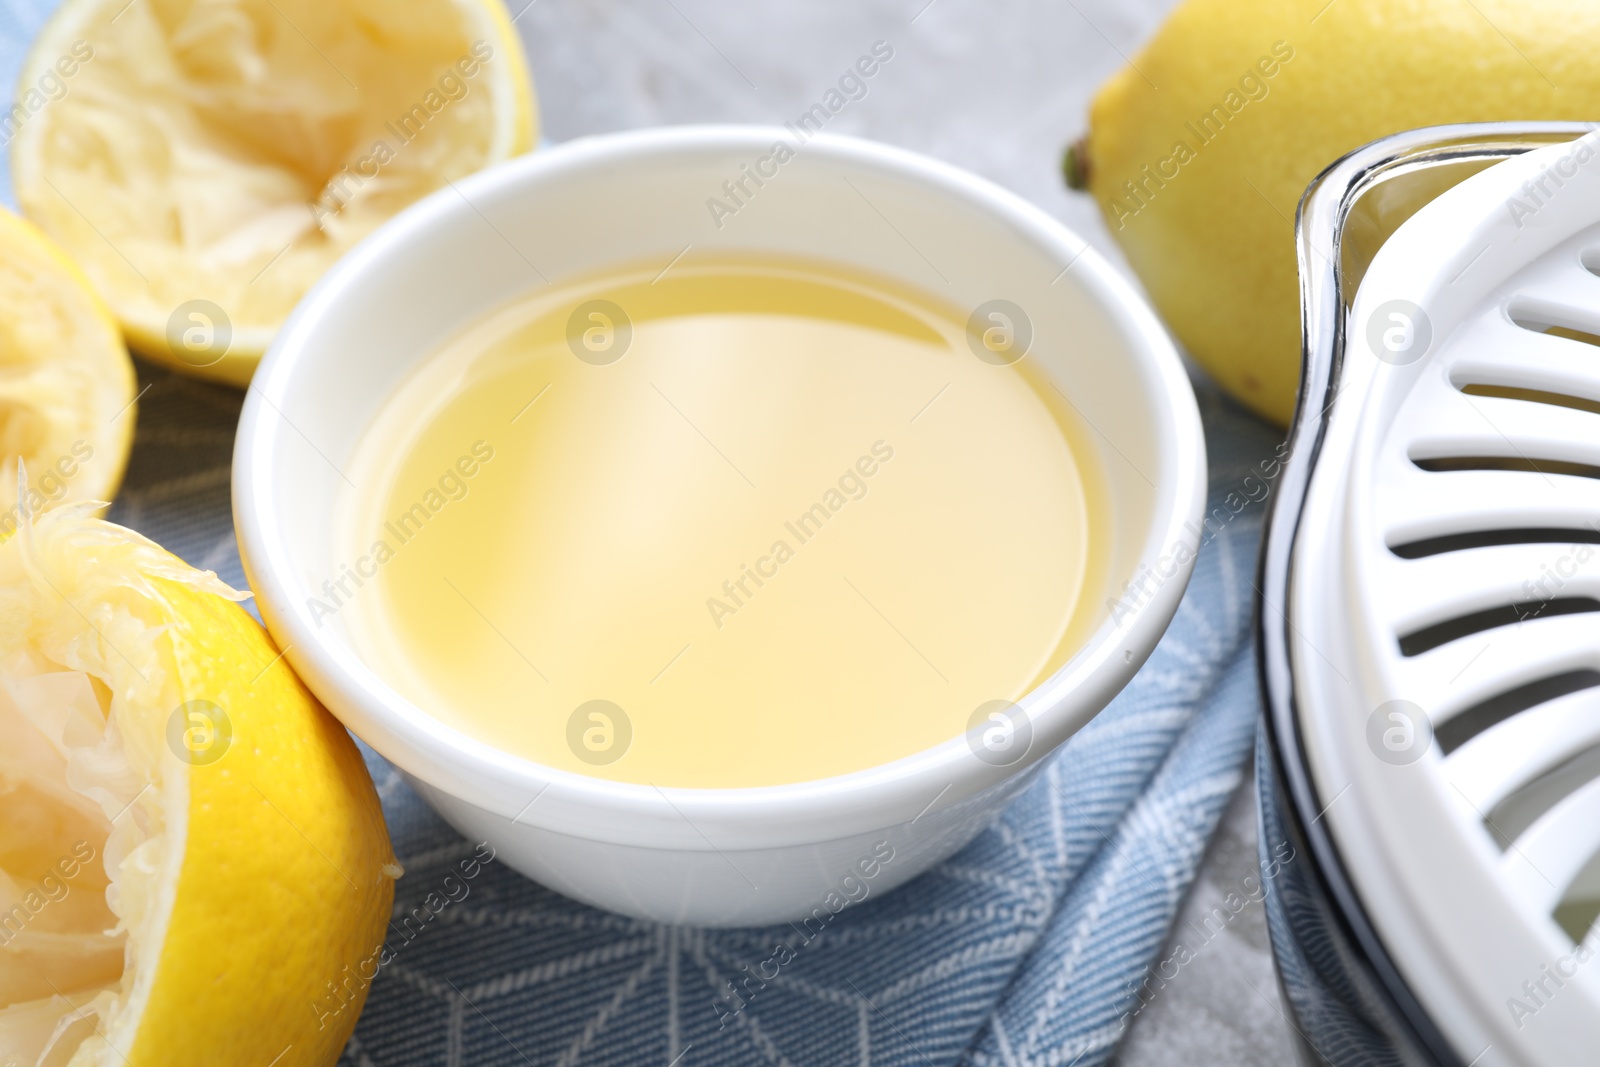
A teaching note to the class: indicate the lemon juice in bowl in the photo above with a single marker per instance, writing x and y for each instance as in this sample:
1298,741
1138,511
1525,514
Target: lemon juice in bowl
743,522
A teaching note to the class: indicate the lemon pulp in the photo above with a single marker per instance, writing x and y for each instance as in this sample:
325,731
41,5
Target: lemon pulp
60,944
778,520
206,160
66,383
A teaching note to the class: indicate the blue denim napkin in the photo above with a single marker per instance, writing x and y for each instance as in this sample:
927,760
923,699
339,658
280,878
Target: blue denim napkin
1028,948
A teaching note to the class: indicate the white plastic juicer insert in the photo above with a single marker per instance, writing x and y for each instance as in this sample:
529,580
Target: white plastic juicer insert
1444,607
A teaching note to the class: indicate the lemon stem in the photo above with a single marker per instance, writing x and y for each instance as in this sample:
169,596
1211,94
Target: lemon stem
1076,165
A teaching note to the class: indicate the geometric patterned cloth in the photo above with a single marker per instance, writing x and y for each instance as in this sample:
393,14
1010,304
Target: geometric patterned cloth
1032,947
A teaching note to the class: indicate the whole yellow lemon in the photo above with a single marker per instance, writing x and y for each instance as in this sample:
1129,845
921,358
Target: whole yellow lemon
1199,149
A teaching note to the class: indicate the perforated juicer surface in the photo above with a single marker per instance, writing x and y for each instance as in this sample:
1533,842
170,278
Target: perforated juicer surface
1445,608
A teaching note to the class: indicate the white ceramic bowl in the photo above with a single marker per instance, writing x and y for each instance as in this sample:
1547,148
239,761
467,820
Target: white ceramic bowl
734,856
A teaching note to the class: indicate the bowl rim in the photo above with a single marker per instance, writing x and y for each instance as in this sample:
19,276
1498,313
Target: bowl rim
747,817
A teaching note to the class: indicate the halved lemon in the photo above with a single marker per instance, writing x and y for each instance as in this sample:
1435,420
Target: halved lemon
206,161
194,867
66,382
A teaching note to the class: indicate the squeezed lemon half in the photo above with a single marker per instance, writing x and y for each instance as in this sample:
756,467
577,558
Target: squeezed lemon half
205,161
194,867
66,382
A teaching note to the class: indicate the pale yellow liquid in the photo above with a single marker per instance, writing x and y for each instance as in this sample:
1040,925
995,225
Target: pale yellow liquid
636,535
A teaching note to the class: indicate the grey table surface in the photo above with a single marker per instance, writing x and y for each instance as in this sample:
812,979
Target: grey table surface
997,87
